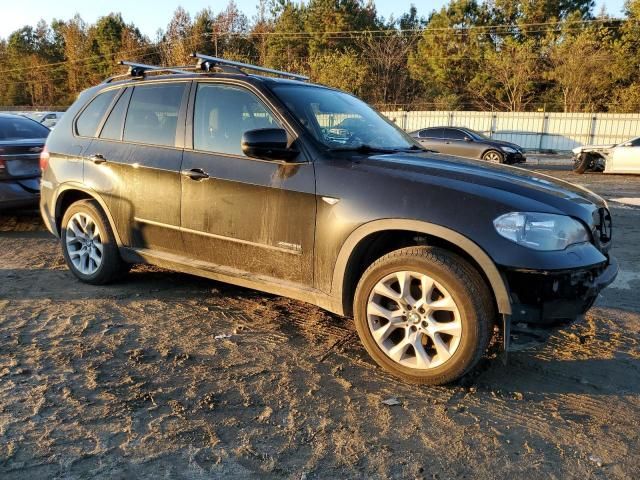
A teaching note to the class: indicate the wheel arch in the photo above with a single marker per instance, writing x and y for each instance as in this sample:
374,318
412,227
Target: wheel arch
489,148
68,194
348,264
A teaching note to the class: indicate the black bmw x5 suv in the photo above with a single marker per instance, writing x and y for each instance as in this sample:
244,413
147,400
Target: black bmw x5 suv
305,191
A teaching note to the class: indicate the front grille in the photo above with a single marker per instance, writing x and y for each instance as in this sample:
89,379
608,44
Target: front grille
604,227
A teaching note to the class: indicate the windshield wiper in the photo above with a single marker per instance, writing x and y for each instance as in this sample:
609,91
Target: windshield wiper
416,148
364,148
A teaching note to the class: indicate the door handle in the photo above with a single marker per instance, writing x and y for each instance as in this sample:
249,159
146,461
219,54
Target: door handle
195,174
98,158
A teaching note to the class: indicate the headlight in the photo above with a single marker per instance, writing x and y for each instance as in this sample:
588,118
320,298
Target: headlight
509,150
541,231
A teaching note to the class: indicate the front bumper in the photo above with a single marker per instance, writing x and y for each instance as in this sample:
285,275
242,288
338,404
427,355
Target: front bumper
515,158
547,297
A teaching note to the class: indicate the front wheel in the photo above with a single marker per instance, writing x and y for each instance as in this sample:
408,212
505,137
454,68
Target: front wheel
493,156
424,314
88,244
582,163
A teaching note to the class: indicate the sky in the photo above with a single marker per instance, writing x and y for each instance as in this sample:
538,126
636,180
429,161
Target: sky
150,15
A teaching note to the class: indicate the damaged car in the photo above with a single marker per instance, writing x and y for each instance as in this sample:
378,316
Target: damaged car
617,158
247,179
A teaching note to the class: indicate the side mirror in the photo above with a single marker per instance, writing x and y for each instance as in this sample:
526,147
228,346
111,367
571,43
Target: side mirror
468,139
268,144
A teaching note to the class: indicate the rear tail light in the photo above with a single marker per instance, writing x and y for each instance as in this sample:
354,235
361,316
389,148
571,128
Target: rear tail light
44,159
3,165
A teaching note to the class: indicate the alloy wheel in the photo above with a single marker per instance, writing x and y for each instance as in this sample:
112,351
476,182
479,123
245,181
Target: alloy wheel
84,243
493,157
414,320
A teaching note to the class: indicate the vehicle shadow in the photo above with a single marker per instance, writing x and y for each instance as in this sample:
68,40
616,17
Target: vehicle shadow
529,373
144,282
535,371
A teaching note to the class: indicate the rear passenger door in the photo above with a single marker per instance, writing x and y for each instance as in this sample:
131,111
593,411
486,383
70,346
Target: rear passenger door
134,164
432,138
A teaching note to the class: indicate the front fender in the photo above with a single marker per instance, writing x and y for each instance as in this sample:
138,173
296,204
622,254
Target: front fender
489,269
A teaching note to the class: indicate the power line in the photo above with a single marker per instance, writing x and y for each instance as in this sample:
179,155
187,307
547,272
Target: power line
347,35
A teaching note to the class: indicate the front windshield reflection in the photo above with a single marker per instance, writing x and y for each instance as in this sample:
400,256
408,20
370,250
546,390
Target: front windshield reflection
341,121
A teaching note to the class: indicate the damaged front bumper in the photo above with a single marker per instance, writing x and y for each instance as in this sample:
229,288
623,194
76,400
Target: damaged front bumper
545,297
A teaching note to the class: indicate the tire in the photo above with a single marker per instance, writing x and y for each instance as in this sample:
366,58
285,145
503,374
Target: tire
493,156
582,163
90,265
455,281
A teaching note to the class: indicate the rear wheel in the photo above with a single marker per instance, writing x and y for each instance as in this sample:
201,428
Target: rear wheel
424,314
88,244
493,156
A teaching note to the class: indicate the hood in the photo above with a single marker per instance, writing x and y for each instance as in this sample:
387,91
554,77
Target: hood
502,143
518,181
592,148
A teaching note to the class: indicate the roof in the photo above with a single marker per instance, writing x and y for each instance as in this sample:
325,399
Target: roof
250,78
208,66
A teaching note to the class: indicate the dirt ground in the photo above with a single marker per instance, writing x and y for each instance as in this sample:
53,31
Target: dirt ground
171,376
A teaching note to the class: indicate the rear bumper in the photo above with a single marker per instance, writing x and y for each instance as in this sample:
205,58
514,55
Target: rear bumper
19,193
547,297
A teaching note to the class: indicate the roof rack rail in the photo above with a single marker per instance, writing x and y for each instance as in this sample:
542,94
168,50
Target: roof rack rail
139,69
205,62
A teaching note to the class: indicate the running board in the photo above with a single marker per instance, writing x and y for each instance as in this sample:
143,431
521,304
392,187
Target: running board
232,276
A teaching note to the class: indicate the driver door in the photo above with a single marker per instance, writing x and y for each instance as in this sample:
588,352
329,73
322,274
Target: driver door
255,216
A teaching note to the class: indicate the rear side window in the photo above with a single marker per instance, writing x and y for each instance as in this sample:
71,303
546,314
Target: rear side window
18,128
152,117
112,129
431,133
90,118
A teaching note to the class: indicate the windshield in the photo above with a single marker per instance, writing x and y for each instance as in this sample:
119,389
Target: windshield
341,121
479,135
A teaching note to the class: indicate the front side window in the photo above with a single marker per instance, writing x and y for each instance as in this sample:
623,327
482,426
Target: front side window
222,114
152,117
341,121
454,134
90,118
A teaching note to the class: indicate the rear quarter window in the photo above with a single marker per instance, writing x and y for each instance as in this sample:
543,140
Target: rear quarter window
88,121
112,129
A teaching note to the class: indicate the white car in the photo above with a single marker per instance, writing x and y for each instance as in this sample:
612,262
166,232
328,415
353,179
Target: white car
48,119
621,158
